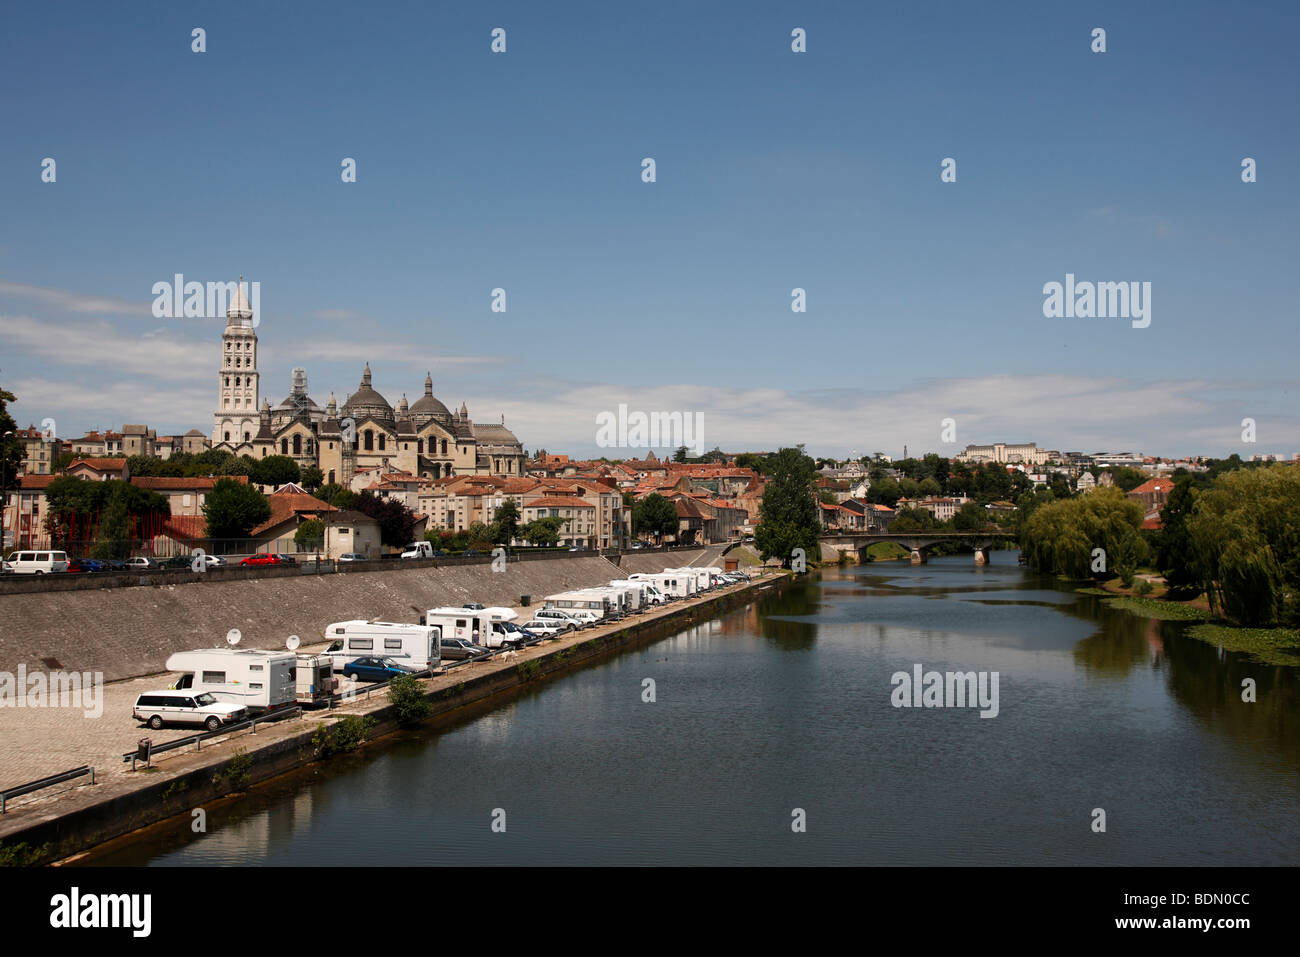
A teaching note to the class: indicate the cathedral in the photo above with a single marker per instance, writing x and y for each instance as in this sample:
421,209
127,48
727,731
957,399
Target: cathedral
423,438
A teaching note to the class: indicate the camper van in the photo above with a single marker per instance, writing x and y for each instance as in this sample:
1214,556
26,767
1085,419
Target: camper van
256,680
640,591
703,579
582,605
671,584
415,646
316,681
487,627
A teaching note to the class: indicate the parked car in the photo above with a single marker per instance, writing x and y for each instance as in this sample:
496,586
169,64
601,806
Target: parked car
94,565
375,669
74,566
287,559
142,563
352,557
261,559
457,649
38,562
543,628
5,567
156,708
177,563
473,553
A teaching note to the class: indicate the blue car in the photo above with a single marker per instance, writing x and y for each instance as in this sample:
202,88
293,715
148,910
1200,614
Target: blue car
375,669
94,565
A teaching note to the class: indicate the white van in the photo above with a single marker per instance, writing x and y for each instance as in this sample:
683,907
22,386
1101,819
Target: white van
564,619
418,550
485,627
257,680
38,563
415,646
156,708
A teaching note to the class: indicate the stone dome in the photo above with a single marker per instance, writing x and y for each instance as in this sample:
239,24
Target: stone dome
367,402
426,408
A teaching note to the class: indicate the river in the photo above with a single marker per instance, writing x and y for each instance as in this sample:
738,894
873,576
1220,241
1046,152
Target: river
782,714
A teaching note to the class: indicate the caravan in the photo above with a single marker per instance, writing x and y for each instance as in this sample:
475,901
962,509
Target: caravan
703,580
415,646
256,680
582,604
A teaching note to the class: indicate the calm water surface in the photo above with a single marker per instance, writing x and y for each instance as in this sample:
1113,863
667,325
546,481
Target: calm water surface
786,704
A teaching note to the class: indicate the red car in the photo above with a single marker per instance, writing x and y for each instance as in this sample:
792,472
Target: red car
261,560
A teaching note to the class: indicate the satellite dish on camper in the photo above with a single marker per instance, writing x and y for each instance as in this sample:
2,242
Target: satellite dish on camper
233,636
292,642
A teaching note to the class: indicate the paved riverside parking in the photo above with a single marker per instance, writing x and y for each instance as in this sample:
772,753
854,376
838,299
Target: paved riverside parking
39,741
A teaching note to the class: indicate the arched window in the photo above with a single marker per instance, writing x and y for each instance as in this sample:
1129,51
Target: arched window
236,380
297,444
227,435
310,450
227,382
331,476
245,436
370,440
381,441
284,446
419,447
444,446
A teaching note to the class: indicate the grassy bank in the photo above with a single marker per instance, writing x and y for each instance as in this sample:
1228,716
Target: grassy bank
1273,646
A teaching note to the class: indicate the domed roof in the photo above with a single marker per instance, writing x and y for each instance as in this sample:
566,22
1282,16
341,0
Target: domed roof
427,407
367,402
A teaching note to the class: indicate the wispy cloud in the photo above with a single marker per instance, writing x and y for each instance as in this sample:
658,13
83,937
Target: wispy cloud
73,301
110,348
403,354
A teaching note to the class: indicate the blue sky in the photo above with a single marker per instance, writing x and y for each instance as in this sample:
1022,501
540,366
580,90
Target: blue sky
775,170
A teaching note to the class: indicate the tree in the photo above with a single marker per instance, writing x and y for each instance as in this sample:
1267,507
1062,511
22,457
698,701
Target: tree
1062,537
505,527
1175,555
788,515
655,515
311,478
340,496
971,517
396,521
11,451
912,520
275,470
1127,479
233,509
310,535
680,454
543,532
1245,532
752,460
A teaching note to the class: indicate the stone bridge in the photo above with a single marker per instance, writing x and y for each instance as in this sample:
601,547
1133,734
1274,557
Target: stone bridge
857,543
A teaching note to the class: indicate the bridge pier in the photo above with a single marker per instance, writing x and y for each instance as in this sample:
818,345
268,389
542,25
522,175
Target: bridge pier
982,555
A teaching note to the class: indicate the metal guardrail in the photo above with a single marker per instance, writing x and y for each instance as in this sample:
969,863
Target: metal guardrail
31,786
146,753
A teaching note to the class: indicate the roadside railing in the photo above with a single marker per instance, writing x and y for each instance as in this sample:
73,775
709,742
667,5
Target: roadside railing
147,749
31,786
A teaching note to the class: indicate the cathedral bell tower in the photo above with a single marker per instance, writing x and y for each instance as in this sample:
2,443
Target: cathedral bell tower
236,419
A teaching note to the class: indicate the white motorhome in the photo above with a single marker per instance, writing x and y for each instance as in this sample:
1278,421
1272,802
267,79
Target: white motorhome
316,681
415,646
486,627
670,584
620,599
639,591
703,579
582,604
257,680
